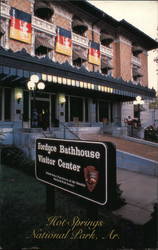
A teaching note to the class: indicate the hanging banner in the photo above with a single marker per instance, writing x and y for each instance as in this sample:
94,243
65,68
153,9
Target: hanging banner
64,42
20,26
94,53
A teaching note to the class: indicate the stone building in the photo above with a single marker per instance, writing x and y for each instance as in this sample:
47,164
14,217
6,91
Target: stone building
91,65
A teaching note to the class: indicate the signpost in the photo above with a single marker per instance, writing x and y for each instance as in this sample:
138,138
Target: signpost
84,168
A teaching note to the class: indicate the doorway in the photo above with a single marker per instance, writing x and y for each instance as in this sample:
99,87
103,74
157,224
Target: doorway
40,111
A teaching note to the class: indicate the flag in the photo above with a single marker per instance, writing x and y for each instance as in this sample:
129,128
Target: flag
20,26
64,42
94,53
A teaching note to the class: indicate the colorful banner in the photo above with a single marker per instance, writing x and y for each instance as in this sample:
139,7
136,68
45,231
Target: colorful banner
94,53
20,26
64,42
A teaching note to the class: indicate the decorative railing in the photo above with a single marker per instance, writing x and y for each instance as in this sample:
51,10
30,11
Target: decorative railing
5,10
80,40
136,61
106,51
43,25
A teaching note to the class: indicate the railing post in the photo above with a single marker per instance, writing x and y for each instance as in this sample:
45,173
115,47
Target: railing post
64,132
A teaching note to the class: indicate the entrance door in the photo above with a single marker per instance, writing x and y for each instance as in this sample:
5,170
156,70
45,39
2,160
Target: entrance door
40,114
103,111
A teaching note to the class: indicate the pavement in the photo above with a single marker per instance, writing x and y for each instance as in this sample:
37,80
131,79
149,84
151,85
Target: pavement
136,148
139,190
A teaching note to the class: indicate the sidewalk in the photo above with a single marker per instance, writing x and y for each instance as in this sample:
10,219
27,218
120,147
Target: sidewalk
146,151
139,190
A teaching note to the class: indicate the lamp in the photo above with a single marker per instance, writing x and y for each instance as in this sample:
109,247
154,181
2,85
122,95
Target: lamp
18,97
138,102
62,99
34,78
33,84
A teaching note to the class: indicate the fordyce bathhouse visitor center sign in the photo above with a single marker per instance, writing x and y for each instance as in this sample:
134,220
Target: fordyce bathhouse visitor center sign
84,168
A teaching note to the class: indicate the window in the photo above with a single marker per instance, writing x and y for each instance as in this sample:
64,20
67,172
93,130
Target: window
76,113
0,104
7,104
106,39
79,55
43,46
106,65
26,106
79,26
44,10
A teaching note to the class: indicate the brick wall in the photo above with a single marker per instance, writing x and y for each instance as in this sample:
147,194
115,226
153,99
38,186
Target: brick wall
122,59
23,5
144,68
116,59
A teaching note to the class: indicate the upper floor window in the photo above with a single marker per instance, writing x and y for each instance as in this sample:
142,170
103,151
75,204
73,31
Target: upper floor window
43,46
79,55
2,33
106,39
5,1
137,74
44,10
136,50
106,65
79,26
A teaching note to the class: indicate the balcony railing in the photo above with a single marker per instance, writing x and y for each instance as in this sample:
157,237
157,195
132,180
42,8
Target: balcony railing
5,10
80,40
106,51
42,25
136,61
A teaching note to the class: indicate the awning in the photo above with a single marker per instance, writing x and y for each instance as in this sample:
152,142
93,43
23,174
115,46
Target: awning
43,10
105,63
137,50
106,38
41,42
79,26
137,73
79,53
17,67
1,31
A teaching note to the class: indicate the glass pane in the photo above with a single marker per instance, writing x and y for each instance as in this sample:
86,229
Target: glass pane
0,104
7,104
26,106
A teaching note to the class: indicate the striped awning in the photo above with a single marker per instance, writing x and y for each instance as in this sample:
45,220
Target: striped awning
79,25
106,38
43,9
105,63
42,42
137,73
1,31
79,53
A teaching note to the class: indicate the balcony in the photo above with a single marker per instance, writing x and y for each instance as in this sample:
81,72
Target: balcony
80,40
136,61
44,26
106,51
5,10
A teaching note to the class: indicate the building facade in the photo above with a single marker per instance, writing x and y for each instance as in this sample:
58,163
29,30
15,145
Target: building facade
90,64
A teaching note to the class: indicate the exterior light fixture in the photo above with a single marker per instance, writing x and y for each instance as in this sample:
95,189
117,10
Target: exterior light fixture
138,102
18,97
41,85
34,78
62,99
31,85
